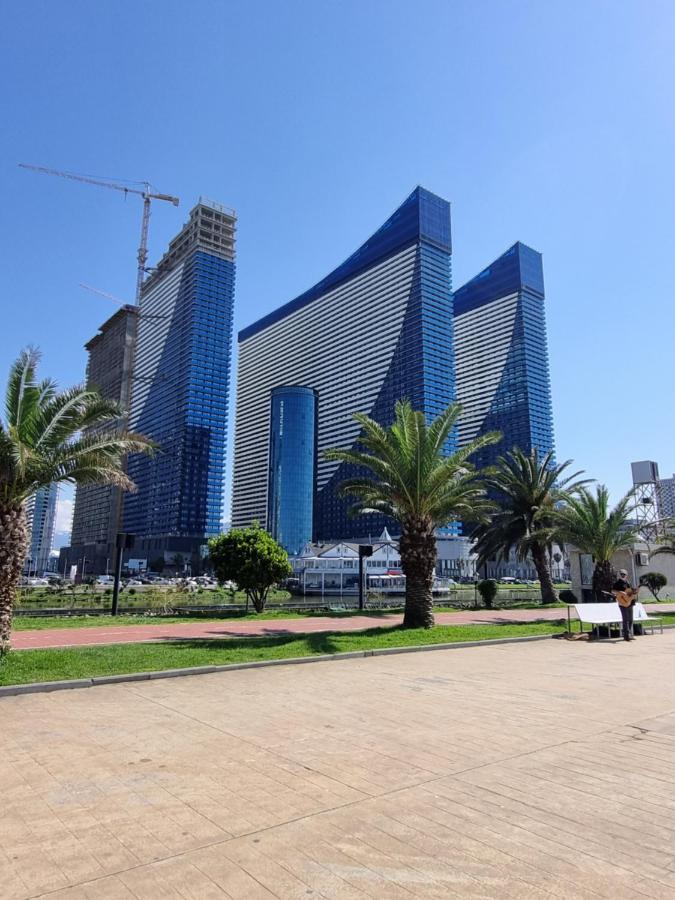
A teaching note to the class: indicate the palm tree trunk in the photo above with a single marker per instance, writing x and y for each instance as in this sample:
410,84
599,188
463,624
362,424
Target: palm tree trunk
418,561
603,581
548,593
13,546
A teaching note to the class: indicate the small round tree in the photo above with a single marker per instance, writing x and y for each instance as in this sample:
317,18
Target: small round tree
488,591
251,558
654,581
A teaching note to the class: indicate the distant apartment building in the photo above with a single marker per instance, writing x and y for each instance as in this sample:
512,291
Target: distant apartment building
501,356
97,514
377,329
40,518
666,497
180,391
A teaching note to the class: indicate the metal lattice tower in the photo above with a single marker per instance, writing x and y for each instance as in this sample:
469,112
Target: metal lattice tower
646,494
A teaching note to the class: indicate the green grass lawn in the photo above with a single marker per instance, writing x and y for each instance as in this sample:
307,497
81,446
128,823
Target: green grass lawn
24,666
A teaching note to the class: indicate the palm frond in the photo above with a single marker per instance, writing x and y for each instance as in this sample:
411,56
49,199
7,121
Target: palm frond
411,473
19,384
587,521
72,411
528,488
53,436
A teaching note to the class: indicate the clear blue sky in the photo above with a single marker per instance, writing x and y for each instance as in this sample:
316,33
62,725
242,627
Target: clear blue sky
547,122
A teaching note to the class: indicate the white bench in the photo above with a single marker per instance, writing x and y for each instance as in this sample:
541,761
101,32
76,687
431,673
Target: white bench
641,616
598,614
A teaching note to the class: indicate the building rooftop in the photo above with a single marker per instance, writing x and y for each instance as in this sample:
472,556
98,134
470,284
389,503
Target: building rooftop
520,267
125,310
211,227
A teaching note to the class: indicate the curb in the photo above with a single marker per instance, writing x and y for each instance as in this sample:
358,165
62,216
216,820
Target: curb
45,687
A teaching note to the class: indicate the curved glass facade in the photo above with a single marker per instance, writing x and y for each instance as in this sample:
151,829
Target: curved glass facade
377,329
292,467
502,356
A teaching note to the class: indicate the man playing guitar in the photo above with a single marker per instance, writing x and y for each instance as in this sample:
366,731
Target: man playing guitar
626,597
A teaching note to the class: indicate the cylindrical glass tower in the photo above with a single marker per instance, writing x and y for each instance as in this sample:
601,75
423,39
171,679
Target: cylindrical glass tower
292,467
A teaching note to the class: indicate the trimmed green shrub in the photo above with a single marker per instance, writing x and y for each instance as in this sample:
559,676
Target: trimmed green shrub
488,591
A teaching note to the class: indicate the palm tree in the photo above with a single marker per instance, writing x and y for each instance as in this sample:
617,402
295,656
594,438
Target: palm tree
49,436
417,482
587,522
666,543
527,488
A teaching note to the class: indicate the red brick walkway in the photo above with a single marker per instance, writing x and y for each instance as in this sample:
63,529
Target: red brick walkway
127,634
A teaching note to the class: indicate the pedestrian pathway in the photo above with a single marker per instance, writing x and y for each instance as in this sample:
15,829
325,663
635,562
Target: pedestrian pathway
542,772
232,628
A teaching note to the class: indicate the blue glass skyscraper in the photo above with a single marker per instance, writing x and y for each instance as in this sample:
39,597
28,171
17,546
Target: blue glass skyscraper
180,390
502,356
377,329
292,467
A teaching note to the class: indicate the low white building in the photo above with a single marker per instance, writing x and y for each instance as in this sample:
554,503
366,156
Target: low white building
334,568
637,561
455,558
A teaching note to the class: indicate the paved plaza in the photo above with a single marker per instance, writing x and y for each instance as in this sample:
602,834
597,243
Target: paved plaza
195,629
513,771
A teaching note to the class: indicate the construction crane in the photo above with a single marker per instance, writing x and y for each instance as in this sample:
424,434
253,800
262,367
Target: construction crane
88,287
117,300
145,194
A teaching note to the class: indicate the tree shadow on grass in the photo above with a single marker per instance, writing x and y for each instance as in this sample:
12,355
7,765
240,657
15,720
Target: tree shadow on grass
501,621
320,642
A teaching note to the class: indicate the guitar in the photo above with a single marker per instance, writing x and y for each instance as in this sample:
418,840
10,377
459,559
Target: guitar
627,598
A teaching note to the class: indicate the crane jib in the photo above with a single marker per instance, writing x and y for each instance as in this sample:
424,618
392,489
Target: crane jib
142,254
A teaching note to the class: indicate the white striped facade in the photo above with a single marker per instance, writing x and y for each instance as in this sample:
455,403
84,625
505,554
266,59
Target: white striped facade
160,300
483,339
341,344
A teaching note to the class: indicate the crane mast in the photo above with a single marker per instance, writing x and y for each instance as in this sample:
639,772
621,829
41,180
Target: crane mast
143,248
147,196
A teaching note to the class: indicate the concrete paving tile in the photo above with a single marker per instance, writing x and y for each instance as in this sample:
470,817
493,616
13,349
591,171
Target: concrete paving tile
455,846
460,874
173,875
609,879
587,835
304,866
229,876
266,870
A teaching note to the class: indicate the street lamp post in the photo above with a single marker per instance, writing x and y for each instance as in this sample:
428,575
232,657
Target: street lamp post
122,542
365,550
